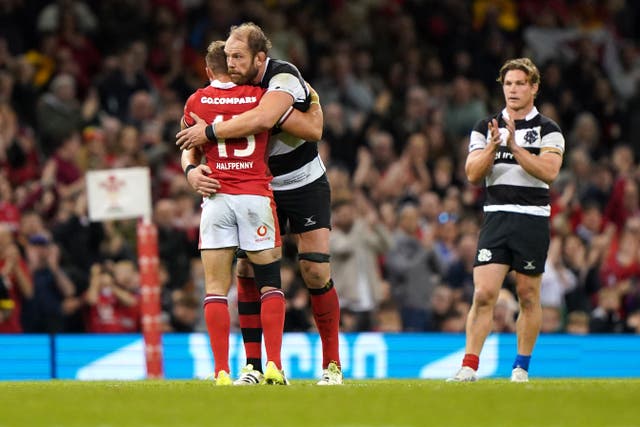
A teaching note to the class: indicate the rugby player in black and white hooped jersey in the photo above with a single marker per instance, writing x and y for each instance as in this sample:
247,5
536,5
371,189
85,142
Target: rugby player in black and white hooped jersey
518,153
300,186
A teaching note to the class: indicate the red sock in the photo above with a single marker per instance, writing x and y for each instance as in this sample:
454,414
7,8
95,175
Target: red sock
326,312
249,319
216,315
272,308
471,360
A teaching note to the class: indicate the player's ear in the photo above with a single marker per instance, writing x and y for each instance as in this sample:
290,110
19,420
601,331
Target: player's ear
261,57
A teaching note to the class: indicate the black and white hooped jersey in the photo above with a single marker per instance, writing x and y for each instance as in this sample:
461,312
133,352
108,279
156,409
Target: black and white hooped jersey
509,188
293,162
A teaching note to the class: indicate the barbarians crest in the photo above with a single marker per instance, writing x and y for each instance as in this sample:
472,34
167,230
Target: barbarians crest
531,136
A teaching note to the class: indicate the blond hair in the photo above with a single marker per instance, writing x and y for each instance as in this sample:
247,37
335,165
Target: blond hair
522,64
215,59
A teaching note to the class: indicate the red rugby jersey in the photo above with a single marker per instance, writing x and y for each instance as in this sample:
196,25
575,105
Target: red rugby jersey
240,164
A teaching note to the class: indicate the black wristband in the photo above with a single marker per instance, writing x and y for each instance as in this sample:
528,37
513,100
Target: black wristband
210,132
188,169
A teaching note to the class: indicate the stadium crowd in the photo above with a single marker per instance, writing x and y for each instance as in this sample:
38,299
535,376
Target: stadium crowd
103,84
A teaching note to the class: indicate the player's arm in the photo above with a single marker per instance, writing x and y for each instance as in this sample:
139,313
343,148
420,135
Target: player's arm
272,106
545,167
307,125
480,161
197,174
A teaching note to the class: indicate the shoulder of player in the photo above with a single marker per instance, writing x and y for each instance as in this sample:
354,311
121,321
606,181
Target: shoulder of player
278,66
547,125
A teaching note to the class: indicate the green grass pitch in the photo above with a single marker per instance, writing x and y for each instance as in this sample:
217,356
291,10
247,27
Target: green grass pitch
393,403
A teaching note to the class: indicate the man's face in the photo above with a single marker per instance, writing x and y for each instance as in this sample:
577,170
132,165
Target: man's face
241,63
518,92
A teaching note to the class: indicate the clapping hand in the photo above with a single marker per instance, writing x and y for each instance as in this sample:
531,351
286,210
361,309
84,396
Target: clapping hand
495,139
511,138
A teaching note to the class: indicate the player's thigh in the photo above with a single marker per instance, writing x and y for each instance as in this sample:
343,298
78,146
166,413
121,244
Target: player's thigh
487,281
257,222
313,241
218,267
218,225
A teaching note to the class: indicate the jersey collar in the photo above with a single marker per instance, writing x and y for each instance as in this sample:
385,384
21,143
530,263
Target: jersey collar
220,85
266,67
530,115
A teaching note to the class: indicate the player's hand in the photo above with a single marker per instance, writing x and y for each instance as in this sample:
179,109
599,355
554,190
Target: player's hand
511,138
200,180
192,136
495,139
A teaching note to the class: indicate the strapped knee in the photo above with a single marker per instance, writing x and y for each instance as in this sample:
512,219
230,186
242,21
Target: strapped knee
314,257
267,275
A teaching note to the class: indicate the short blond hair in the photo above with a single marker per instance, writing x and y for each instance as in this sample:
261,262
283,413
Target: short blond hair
522,64
216,59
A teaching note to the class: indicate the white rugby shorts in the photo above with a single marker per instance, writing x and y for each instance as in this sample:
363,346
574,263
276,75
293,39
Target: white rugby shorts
242,220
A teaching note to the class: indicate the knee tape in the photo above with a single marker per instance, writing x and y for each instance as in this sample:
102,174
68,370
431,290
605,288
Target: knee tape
314,257
267,275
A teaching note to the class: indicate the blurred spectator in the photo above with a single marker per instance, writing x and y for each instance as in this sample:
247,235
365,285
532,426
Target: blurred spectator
464,109
551,320
112,307
16,285
445,237
605,317
185,311
388,318
19,155
459,274
55,296
633,323
59,113
558,279
51,15
79,239
408,176
340,135
577,323
173,245
413,269
341,84
298,315
442,303
621,266
9,212
126,78
357,239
